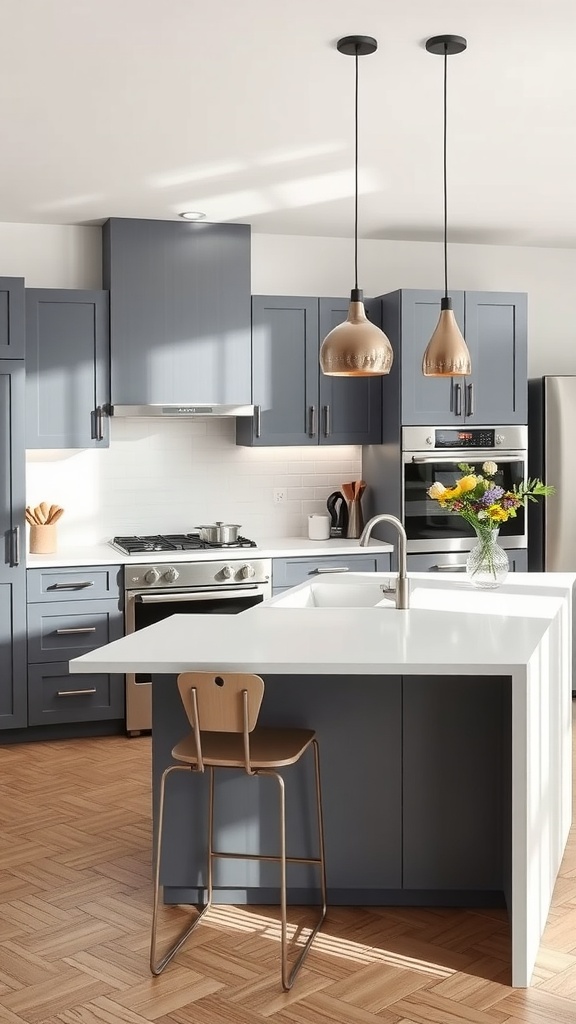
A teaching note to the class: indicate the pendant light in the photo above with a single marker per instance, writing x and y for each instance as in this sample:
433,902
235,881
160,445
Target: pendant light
356,348
447,353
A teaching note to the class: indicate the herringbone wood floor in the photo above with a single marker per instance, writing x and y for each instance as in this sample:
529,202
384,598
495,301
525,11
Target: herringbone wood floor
75,894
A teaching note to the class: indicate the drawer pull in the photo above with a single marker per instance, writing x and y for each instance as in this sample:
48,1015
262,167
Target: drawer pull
448,567
330,568
75,693
76,629
71,586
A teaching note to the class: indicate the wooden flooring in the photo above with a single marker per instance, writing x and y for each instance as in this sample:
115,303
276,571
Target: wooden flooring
75,897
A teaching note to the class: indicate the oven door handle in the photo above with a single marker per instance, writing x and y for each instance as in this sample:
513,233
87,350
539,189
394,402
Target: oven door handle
210,595
487,457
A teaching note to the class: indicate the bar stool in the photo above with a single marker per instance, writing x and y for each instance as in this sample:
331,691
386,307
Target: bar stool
223,710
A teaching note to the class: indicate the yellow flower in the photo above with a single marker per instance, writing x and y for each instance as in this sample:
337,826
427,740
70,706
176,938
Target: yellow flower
437,490
467,483
497,514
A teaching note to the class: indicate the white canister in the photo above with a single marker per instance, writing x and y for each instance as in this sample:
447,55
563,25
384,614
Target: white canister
319,527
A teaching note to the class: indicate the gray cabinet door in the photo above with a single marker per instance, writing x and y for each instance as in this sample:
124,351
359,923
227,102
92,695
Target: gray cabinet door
496,334
409,320
11,317
285,372
350,407
456,782
179,311
67,368
12,563
449,562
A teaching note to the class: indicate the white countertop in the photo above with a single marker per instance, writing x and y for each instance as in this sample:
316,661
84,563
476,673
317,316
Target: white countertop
451,628
283,547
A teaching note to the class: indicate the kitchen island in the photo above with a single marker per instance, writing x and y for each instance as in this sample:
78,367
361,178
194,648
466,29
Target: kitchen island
455,719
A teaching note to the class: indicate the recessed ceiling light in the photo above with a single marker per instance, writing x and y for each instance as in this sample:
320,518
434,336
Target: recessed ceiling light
192,215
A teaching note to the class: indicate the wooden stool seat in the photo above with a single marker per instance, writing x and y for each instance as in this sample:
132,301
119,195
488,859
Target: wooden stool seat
269,748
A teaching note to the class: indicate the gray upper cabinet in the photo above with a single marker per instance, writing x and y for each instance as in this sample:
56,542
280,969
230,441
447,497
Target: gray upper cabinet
179,312
67,368
295,404
13,699
495,327
11,317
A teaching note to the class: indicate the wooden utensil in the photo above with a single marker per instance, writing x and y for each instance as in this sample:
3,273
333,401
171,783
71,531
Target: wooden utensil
45,509
348,491
56,516
40,517
51,511
30,517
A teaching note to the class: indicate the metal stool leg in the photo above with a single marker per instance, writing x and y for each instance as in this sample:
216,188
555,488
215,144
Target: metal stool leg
289,977
157,966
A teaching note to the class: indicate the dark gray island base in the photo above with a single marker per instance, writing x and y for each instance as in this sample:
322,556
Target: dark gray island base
416,778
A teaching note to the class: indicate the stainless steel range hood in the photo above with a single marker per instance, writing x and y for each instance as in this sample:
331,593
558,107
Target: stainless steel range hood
175,411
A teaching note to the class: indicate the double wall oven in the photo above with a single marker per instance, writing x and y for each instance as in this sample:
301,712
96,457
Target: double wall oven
223,582
431,454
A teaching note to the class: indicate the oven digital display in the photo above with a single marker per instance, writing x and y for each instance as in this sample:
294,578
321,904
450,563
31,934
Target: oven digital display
481,438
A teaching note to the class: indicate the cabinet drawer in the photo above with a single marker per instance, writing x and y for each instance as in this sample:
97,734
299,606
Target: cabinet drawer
86,583
55,696
287,572
62,631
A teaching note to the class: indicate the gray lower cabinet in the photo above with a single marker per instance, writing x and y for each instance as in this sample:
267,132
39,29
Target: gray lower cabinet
67,368
495,327
295,403
455,561
12,341
12,564
71,612
179,312
288,572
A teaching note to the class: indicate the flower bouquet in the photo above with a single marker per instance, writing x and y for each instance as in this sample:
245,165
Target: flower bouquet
485,505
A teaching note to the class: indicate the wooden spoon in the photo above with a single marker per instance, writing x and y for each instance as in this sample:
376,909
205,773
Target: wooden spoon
45,509
40,517
54,519
30,517
52,510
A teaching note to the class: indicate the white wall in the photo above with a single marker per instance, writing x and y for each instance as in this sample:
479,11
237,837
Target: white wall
160,476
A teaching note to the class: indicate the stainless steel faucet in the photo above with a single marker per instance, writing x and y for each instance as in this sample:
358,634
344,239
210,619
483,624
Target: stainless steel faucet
403,583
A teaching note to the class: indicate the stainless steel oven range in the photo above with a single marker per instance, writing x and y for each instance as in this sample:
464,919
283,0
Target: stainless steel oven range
154,590
433,453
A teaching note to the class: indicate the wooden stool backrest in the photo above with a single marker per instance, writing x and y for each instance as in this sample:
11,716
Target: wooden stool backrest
220,700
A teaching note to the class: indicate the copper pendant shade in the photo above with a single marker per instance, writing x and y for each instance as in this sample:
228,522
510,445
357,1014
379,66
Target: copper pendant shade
356,348
447,353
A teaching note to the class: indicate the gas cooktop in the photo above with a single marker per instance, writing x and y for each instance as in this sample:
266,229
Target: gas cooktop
173,542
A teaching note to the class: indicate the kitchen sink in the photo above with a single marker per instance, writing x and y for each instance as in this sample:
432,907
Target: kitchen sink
336,594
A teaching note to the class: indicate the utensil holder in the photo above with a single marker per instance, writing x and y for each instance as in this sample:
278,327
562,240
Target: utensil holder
355,518
43,539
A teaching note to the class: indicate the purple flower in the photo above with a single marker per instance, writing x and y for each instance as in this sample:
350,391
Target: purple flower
491,495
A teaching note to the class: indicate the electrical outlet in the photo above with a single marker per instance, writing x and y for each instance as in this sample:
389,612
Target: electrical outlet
279,495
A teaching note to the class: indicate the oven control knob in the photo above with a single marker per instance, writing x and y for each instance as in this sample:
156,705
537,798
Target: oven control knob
171,575
499,439
227,571
152,576
247,571
430,441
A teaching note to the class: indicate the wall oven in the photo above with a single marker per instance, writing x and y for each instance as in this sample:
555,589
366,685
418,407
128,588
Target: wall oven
154,591
433,453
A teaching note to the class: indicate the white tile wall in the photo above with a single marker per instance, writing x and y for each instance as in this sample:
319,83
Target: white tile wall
171,477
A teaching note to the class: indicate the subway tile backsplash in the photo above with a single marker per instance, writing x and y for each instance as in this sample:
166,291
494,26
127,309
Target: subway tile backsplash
170,477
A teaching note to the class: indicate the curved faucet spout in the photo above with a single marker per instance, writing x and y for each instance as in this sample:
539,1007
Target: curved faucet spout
403,584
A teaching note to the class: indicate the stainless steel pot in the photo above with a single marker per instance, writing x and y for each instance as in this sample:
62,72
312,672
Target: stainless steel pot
219,533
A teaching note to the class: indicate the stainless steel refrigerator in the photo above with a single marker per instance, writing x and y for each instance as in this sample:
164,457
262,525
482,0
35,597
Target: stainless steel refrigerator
552,457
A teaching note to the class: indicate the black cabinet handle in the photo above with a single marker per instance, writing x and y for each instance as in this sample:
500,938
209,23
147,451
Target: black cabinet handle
457,399
470,399
71,586
312,421
257,421
15,546
327,425
97,424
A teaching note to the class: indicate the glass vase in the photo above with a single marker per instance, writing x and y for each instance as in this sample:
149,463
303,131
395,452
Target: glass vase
487,564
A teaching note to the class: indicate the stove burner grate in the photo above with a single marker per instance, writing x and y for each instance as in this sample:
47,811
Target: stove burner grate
174,542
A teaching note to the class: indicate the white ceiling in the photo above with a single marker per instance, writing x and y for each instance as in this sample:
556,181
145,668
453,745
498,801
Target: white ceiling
243,109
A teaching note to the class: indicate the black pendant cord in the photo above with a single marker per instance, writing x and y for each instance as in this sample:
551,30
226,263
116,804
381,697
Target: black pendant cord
356,177
445,175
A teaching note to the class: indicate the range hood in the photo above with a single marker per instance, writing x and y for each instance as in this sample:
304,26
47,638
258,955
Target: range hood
176,411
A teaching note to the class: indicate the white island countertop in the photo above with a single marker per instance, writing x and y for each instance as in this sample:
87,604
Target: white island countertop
522,632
